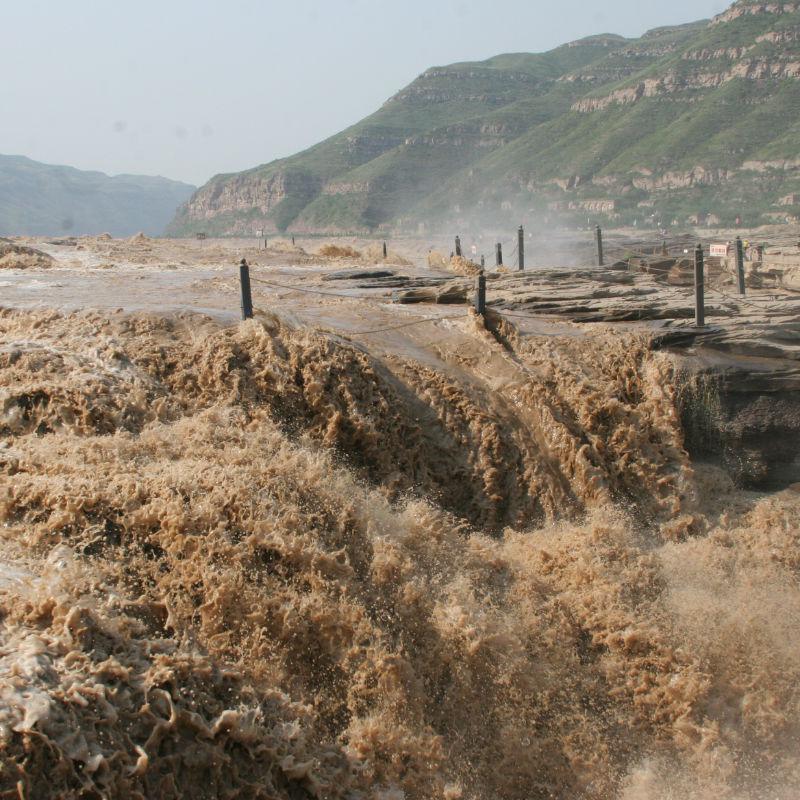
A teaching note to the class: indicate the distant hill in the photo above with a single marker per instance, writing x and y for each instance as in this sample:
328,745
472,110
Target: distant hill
700,121
40,199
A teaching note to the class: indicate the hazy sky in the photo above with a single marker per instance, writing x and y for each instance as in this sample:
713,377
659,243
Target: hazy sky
190,88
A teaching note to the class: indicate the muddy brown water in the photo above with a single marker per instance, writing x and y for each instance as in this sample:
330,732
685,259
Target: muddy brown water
266,559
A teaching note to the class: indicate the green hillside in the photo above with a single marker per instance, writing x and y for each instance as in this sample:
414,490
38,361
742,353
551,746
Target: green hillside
40,199
683,123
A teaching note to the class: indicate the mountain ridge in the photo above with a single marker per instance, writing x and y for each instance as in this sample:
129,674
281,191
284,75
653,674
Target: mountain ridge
687,123
50,199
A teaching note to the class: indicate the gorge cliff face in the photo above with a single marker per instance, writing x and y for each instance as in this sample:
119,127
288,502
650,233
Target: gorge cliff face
233,205
685,121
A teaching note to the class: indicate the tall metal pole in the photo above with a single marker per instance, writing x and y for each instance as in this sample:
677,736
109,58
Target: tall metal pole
521,246
480,294
247,298
740,264
498,254
699,288
458,245
598,234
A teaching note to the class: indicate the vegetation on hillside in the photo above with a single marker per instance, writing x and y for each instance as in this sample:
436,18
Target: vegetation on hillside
684,123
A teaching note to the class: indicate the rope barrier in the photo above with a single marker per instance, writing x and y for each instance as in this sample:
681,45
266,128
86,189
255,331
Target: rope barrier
397,327
406,325
360,298
515,314
632,253
540,315
306,291
745,302
612,250
641,254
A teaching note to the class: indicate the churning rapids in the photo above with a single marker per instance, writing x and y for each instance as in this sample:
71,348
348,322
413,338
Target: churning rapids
257,561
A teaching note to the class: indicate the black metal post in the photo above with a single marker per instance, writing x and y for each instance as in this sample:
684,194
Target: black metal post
247,298
480,294
385,251
458,245
521,246
598,234
498,254
740,264
699,288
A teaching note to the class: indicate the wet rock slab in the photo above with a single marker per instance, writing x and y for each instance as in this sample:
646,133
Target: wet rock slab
358,274
740,375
